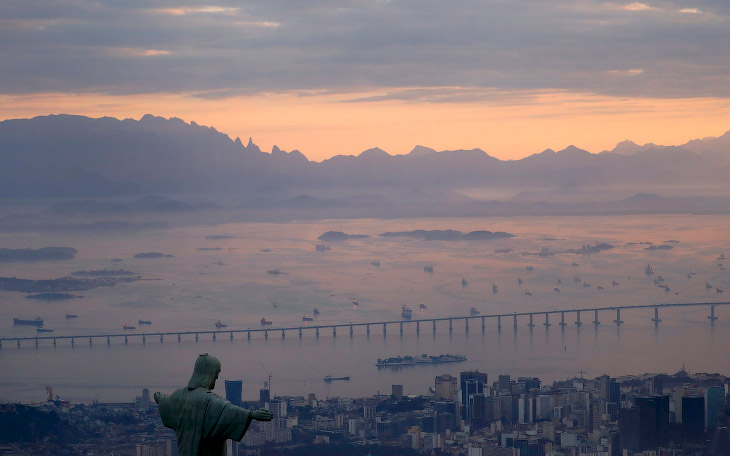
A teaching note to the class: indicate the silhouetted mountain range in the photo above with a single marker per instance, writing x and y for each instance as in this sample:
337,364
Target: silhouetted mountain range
75,156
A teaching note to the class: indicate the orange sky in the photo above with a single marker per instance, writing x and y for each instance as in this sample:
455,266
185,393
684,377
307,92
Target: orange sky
510,126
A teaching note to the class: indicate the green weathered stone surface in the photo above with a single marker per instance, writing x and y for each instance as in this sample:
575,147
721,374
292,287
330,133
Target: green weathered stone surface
201,419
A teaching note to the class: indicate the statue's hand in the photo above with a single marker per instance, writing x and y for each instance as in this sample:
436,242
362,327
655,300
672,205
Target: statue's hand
261,415
157,396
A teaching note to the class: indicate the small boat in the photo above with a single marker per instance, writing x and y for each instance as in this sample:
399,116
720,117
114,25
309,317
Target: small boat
464,282
306,318
406,312
519,281
375,263
23,322
576,279
721,257
128,326
575,264
329,378
315,311
494,288
274,271
422,306
264,322
529,268
556,289
707,285
219,324
145,322
41,330
71,316
322,248
355,302
693,272
559,281
473,312
428,268
614,283
528,293
720,290
599,287
586,284
648,270
274,305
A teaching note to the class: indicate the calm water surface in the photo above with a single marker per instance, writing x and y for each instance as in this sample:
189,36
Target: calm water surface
196,288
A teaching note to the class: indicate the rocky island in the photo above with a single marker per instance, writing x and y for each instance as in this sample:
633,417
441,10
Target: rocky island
330,236
152,255
44,254
450,235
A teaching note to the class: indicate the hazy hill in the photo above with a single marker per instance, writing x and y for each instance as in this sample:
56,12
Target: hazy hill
75,156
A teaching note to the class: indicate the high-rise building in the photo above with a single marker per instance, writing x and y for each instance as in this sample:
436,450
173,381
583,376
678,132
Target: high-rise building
234,392
693,417
264,396
654,421
504,383
471,382
368,411
445,386
397,391
628,429
714,398
604,384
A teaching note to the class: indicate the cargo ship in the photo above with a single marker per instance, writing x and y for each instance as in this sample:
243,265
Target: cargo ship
145,322
71,316
41,330
265,322
23,322
329,378
315,311
403,361
406,312
219,324
127,326
306,318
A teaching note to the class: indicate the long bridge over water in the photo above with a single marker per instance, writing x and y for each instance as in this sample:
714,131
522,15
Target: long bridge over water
301,330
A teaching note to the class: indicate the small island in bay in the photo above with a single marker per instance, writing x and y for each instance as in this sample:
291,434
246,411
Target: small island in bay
103,273
152,255
62,284
340,236
450,235
660,247
588,249
43,254
52,296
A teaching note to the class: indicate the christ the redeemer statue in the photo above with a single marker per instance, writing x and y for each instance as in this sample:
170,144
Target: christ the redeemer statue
202,420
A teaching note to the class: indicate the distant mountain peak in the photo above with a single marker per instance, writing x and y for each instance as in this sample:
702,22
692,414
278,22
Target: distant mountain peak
374,153
421,150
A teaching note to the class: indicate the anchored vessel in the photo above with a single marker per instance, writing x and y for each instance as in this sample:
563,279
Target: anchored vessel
405,311
265,322
401,361
329,378
218,324
306,318
23,322
128,326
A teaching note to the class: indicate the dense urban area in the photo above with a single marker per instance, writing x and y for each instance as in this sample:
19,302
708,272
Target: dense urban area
648,415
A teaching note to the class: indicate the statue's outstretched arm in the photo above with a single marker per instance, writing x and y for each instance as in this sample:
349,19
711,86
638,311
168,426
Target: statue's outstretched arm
261,415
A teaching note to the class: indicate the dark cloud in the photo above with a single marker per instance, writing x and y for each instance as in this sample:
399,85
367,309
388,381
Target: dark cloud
646,48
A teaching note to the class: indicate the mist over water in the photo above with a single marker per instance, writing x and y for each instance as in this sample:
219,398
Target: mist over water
196,288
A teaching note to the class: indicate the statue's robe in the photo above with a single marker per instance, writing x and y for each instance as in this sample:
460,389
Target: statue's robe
203,421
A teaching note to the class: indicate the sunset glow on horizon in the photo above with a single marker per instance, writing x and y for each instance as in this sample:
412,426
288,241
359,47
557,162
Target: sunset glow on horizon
391,74
324,125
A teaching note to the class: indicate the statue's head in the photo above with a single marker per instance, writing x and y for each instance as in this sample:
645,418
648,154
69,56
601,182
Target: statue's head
205,373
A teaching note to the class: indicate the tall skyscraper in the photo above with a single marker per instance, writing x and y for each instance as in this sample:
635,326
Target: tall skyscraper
693,414
234,392
646,425
504,383
445,387
471,382
628,429
714,398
